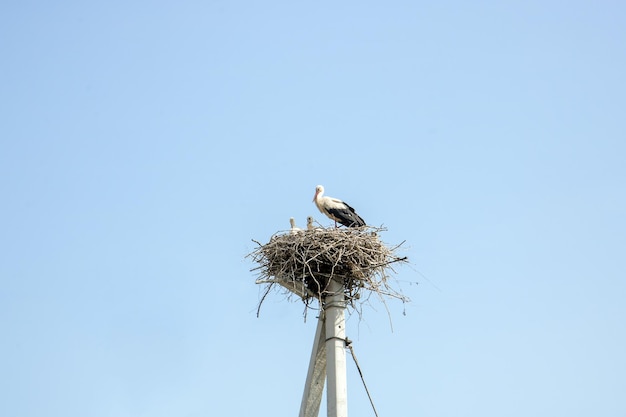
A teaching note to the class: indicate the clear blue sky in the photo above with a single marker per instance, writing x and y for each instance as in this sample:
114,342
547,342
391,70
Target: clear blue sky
143,145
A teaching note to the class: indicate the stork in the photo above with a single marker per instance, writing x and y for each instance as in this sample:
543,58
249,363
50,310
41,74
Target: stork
309,224
294,229
336,209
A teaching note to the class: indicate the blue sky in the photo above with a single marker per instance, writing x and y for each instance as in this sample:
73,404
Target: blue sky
144,145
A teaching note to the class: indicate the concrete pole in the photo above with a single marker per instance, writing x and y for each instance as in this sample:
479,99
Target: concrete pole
337,391
316,376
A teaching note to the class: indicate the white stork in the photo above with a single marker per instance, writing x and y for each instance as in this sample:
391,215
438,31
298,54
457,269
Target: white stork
336,209
294,229
309,224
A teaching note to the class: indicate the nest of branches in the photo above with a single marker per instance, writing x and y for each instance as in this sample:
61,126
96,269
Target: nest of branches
304,262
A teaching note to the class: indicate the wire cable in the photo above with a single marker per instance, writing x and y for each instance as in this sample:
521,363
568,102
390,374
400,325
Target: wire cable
356,362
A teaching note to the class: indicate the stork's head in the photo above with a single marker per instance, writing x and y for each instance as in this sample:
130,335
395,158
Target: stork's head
319,190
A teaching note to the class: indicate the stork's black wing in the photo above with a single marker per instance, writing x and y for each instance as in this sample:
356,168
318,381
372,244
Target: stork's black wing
347,216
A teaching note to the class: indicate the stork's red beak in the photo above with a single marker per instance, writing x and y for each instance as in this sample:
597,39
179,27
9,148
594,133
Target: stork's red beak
315,196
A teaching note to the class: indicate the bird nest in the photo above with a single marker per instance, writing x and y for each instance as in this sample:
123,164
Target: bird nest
305,261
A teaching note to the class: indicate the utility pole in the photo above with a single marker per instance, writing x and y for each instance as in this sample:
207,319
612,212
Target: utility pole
337,391
328,358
